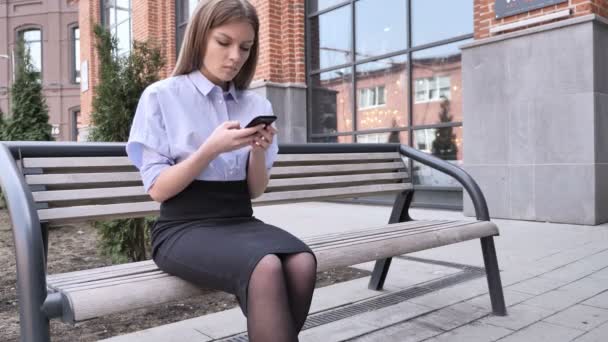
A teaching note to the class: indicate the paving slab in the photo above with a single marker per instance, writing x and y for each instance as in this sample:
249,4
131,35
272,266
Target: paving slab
580,317
543,332
555,278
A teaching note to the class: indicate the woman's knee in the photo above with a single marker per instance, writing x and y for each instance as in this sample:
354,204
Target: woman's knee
270,265
303,262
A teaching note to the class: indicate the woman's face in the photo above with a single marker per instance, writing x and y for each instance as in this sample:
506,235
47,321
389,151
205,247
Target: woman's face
228,48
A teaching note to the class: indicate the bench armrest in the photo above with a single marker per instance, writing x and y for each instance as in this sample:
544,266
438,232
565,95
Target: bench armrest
479,201
27,234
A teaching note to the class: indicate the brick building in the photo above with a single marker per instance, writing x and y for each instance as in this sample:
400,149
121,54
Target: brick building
50,29
511,74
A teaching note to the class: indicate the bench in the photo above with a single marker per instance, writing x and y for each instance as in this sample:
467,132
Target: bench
49,183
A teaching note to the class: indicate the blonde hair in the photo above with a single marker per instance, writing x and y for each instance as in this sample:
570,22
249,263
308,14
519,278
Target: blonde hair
208,15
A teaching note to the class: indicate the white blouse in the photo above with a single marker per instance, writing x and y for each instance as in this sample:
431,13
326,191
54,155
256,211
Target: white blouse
176,115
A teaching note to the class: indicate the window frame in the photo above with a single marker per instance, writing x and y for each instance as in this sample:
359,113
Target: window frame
19,34
437,89
114,27
74,67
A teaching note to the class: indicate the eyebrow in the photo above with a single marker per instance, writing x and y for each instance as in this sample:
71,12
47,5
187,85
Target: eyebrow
227,36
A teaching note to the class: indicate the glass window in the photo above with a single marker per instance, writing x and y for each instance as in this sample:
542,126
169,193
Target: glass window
384,137
33,43
444,143
435,20
319,5
117,18
75,122
432,89
183,11
437,74
75,55
332,102
382,93
191,6
331,36
381,27
413,94
371,97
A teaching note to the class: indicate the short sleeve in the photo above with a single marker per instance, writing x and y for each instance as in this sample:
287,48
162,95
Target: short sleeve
273,150
148,148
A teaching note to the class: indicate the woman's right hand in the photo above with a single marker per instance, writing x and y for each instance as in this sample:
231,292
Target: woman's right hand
229,137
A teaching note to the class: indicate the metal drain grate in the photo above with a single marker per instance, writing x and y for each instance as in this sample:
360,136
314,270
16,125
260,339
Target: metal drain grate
440,263
383,301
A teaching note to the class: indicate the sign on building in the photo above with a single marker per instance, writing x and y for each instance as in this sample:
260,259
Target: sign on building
505,8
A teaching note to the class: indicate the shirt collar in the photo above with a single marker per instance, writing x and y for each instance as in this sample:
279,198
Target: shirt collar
232,91
205,86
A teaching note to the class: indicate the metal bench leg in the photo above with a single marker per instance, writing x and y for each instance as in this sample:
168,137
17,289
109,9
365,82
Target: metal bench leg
379,274
398,214
33,321
493,275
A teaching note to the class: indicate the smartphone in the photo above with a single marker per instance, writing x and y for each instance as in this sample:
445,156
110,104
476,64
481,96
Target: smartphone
262,119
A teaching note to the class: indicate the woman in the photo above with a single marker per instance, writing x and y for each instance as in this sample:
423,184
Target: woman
196,159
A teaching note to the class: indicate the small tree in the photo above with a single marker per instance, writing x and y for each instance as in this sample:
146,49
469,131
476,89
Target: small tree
2,125
30,113
122,80
444,146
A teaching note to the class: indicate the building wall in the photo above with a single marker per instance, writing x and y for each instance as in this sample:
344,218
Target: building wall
536,110
485,17
281,64
54,19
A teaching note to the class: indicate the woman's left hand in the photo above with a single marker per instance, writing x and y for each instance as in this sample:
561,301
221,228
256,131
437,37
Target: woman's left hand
263,139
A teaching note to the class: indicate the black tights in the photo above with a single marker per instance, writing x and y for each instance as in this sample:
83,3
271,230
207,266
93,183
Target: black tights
279,296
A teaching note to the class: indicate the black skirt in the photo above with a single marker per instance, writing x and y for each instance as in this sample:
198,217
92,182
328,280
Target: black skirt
207,235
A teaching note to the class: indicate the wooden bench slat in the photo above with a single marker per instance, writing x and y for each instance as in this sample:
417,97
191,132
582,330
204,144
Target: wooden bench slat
94,299
111,272
334,168
127,177
88,194
83,178
320,194
328,180
75,162
133,266
374,230
105,211
285,184
374,250
77,286
323,157
386,236
387,232
85,162
139,209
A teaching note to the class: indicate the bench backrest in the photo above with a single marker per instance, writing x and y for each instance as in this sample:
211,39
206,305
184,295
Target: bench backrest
68,189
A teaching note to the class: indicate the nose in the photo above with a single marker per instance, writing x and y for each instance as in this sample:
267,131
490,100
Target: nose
235,54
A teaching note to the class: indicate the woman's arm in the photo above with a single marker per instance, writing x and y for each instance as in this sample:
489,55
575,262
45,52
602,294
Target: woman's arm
257,174
226,137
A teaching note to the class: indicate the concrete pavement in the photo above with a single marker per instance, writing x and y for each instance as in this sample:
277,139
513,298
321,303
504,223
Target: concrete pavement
555,278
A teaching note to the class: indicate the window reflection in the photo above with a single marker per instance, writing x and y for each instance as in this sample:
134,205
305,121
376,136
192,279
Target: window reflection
76,56
331,38
332,102
437,79
444,143
382,93
319,5
117,17
33,44
381,27
435,20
